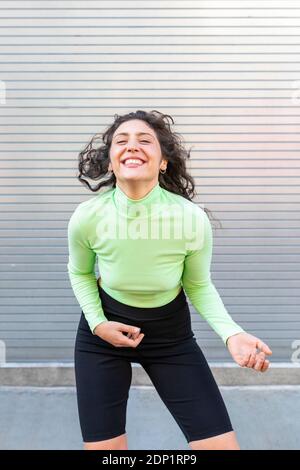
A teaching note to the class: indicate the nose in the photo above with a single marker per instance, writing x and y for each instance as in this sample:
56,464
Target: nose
132,147
132,144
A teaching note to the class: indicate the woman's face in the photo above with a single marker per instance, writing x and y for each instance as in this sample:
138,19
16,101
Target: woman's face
134,139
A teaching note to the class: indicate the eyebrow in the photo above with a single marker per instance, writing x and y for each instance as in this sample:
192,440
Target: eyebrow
138,133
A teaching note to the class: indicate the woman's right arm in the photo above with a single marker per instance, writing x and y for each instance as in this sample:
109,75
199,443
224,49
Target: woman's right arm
81,272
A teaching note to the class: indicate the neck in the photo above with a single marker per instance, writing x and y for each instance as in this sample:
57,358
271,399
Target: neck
136,189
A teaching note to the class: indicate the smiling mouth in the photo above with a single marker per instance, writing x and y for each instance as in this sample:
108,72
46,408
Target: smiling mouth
133,162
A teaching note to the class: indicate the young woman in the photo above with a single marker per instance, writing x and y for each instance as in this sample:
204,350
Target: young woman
154,245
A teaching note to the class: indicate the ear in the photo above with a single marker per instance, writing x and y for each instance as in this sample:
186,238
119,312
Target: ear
163,160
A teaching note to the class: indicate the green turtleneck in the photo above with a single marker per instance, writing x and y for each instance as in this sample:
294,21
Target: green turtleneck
147,250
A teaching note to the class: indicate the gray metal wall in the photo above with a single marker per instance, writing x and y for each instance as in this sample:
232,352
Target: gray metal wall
228,72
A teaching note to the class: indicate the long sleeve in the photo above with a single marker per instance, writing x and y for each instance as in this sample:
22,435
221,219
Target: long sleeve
82,276
197,283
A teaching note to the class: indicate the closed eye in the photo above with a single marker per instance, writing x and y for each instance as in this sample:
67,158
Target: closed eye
122,141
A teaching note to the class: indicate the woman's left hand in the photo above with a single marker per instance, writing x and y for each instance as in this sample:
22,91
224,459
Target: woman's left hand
243,348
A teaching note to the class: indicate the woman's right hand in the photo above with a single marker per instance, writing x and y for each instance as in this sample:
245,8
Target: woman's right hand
112,332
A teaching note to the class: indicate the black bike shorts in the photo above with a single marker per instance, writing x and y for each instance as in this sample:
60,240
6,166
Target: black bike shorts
170,356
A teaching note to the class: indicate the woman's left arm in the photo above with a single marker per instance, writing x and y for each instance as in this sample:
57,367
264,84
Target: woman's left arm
197,283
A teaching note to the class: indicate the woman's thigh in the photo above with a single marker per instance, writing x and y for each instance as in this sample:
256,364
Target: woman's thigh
102,386
185,383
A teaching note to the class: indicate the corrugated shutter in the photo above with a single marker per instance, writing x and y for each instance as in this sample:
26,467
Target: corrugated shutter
228,72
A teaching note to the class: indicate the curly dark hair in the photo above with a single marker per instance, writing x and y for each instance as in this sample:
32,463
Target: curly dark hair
94,162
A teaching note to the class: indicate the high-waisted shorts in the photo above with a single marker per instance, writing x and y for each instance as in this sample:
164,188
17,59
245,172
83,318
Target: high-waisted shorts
169,355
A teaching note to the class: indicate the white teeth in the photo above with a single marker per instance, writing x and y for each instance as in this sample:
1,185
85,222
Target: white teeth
133,160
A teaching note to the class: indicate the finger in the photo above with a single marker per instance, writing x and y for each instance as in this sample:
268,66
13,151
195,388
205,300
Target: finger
259,362
133,343
133,336
136,335
265,366
129,328
252,359
130,342
263,347
244,361
139,339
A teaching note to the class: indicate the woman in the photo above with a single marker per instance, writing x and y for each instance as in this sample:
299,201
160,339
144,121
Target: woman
154,245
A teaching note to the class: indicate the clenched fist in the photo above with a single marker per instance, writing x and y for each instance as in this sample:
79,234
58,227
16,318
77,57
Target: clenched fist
112,332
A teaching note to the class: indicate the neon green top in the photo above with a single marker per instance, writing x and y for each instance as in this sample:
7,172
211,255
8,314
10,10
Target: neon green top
147,249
